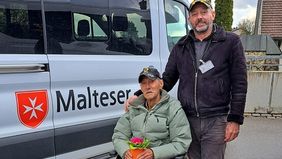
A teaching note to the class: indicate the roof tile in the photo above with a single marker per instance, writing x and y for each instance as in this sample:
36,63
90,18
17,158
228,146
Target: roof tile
271,22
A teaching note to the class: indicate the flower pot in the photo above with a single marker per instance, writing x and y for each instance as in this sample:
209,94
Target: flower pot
136,152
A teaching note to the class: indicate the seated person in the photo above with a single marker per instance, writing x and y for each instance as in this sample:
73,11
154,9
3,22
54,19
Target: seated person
156,116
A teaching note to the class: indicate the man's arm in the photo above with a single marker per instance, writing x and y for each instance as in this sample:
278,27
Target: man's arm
239,86
170,77
122,134
239,82
171,74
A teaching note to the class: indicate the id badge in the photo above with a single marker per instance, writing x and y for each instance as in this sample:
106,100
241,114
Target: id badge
206,66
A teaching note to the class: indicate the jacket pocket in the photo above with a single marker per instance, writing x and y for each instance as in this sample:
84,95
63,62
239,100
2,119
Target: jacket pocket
186,91
221,88
214,92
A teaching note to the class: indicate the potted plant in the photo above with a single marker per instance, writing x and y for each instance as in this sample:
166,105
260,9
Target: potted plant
137,145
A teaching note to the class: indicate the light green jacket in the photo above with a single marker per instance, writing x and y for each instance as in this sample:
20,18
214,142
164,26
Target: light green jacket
165,126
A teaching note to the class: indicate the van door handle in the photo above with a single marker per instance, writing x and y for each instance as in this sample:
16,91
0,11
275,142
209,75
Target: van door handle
23,68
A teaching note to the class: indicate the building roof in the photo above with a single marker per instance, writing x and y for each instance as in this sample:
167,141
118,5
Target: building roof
260,43
269,18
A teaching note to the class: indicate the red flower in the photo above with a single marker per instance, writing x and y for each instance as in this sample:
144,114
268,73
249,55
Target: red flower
138,143
136,140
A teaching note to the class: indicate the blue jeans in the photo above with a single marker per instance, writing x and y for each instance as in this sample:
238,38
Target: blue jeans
207,137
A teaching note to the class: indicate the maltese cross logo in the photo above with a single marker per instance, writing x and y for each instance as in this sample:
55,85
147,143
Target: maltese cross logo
32,107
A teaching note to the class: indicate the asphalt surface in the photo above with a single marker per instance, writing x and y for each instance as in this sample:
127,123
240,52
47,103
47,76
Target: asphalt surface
259,138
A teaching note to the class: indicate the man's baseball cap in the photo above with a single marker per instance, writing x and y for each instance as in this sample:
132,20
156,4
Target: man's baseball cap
150,72
205,2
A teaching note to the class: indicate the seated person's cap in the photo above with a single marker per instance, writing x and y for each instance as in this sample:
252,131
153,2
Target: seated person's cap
205,2
150,72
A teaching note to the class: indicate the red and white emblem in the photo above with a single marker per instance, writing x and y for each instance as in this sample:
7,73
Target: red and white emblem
32,107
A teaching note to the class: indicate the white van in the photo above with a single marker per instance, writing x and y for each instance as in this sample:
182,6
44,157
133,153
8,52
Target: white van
67,67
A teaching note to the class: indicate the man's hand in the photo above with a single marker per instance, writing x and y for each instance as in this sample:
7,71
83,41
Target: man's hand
231,131
129,100
127,155
147,154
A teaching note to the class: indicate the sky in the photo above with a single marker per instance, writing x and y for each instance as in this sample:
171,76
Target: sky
242,9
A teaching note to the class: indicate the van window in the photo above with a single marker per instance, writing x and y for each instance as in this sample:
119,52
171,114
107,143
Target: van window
176,21
20,27
100,27
95,33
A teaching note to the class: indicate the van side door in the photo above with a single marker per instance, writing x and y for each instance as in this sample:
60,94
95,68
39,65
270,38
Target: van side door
96,51
174,17
26,108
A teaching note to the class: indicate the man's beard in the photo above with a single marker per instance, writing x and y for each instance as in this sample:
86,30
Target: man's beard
202,29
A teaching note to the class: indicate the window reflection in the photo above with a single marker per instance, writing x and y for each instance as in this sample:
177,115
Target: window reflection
20,27
176,22
100,27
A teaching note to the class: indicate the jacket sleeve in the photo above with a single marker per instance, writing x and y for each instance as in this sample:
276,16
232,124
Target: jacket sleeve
171,74
238,82
122,134
180,135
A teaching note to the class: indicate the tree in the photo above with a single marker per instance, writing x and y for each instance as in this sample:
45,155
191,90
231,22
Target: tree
246,26
224,13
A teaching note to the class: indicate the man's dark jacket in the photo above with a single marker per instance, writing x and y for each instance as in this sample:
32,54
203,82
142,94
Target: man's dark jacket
221,90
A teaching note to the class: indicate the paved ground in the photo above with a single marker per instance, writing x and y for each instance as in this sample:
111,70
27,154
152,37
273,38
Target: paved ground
259,138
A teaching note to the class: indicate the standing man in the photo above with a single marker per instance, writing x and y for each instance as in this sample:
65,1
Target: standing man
211,68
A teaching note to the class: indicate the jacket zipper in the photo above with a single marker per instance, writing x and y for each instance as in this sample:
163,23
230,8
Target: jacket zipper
195,93
148,114
145,121
195,82
196,72
196,77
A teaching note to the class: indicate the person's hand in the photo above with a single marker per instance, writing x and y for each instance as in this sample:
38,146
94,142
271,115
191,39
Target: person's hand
147,154
231,131
129,100
127,155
